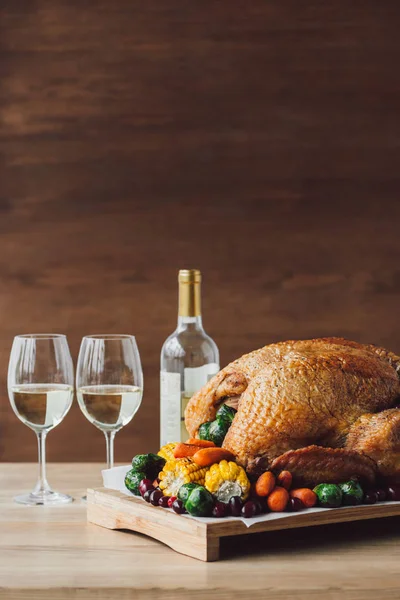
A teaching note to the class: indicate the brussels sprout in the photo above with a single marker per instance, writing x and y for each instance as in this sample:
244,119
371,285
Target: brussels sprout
226,413
204,431
150,464
214,431
352,493
218,430
185,490
133,479
329,495
199,502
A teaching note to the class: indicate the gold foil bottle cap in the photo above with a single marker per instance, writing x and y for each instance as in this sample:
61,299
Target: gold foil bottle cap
189,276
189,293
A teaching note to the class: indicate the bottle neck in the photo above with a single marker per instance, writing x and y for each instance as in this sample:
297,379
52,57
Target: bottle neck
189,299
189,314
190,322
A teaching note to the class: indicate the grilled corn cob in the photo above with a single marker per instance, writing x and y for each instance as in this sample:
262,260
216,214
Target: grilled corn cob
177,472
167,451
226,479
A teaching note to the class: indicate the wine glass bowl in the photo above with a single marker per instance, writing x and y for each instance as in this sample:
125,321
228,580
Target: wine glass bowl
40,388
109,383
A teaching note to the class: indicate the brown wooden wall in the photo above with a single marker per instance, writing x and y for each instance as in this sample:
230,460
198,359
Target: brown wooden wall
258,141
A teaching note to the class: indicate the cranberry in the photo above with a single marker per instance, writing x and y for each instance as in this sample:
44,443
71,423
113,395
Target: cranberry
381,495
163,501
258,507
295,504
177,506
146,495
235,506
155,497
393,492
145,485
249,509
220,510
370,497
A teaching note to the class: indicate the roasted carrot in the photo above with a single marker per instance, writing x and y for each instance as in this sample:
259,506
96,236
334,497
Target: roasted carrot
201,443
307,496
278,499
284,479
265,484
208,456
185,450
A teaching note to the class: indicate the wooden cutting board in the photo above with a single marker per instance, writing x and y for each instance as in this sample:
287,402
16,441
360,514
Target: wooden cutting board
198,539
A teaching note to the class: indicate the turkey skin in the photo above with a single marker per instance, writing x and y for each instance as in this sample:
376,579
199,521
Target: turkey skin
378,436
297,394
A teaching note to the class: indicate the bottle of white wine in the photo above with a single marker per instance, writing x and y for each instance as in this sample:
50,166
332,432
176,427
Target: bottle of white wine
189,358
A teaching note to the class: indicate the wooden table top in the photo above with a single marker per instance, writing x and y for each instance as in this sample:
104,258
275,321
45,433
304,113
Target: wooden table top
52,553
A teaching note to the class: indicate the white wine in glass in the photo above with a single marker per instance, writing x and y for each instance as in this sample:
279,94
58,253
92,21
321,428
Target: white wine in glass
40,388
109,383
109,406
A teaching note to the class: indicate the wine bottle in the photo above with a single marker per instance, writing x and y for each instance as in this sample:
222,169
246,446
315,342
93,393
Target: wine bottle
189,358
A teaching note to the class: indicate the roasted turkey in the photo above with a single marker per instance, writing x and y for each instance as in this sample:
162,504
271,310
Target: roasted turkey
325,393
378,436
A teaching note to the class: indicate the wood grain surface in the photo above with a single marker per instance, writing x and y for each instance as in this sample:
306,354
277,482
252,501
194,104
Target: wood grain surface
53,554
258,142
201,540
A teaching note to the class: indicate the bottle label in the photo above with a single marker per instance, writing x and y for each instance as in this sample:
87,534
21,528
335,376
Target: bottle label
196,377
174,399
170,409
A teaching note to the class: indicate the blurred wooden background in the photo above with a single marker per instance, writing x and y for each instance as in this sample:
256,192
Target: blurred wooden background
258,141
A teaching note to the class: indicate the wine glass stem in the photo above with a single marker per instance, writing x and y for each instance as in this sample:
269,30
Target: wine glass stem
110,448
42,484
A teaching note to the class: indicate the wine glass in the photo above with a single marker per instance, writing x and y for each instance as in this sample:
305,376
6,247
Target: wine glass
109,383
41,390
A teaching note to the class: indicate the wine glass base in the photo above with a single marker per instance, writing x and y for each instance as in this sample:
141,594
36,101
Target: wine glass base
47,498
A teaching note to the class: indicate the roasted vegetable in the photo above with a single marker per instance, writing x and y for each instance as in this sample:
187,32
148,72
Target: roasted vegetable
199,502
265,484
204,431
205,457
305,495
133,479
202,443
278,499
178,472
225,413
227,479
285,479
185,490
352,493
329,495
218,430
151,464
167,451
214,431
